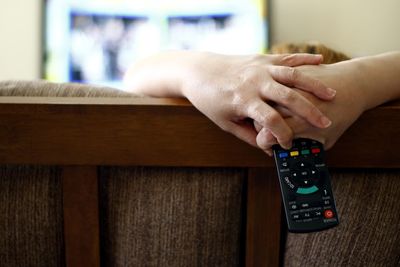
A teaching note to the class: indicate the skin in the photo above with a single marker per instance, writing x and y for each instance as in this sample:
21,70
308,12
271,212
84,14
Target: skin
269,99
233,91
361,84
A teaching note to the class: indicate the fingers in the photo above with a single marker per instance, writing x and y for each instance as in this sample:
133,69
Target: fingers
293,60
265,139
257,126
296,103
295,78
270,119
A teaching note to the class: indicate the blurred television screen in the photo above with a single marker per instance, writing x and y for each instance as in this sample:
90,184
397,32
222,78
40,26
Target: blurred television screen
94,41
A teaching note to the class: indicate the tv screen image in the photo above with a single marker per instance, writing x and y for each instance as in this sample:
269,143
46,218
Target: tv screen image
95,41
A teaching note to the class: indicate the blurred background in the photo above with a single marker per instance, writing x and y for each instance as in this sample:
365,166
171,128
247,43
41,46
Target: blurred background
95,40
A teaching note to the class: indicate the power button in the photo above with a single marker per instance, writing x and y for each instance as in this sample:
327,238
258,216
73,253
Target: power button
328,214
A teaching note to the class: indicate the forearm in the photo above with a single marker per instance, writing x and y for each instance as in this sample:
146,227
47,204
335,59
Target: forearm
164,74
377,78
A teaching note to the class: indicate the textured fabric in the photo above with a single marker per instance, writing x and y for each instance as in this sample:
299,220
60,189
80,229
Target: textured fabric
43,88
369,230
31,232
171,216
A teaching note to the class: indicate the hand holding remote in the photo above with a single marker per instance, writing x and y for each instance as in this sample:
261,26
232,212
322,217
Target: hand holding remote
305,186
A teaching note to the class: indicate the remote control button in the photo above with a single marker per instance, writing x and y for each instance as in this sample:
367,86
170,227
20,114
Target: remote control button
328,214
293,207
317,214
296,216
315,150
304,173
283,155
305,152
306,182
304,205
327,202
284,164
306,215
294,153
325,192
307,190
304,165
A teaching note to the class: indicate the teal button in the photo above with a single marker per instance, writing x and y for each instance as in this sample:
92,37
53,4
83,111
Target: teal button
305,152
307,190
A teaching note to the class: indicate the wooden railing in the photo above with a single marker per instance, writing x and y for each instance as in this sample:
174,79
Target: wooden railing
82,133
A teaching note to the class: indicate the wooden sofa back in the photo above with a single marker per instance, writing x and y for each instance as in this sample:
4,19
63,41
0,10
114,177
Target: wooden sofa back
86,137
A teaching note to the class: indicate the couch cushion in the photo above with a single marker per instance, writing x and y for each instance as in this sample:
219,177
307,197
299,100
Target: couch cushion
31,232
172,216
369,232
44,88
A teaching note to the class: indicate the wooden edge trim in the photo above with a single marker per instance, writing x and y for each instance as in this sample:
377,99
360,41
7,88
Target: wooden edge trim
263,218
110,133
81,216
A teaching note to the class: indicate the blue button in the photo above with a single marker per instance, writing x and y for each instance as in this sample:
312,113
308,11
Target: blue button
283,155
307,190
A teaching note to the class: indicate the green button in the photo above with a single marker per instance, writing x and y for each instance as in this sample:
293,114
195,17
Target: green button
305,152
307,190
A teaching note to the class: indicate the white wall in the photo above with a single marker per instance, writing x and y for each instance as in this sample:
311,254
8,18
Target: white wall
356,27
20,39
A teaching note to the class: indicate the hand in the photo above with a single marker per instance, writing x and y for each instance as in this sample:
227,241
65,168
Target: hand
348,105
230,90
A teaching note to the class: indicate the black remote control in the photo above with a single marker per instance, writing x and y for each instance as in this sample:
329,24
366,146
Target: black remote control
305,186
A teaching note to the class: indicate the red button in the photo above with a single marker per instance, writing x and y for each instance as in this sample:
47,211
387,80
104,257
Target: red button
328,214
315,150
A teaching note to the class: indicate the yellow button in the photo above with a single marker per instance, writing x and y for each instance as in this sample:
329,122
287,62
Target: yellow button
294,153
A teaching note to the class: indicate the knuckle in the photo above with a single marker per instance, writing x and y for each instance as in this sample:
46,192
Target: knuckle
293,74
287,96
318,84
239,101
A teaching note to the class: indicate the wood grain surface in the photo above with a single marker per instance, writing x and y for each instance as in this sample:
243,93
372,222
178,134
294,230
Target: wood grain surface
263,218
163,132
81,216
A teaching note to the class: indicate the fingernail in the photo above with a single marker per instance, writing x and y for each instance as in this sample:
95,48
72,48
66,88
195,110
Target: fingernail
287,146
331,92
325,122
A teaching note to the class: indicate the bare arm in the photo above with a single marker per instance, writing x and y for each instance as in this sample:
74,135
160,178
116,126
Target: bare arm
361,84
231,89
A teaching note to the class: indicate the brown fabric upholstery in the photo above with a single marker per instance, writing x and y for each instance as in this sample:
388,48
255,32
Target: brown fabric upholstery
149,216
31,231
171,216
43,88
184,217
369,232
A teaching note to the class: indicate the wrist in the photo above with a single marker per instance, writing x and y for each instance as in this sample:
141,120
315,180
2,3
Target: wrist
375,78
352,79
